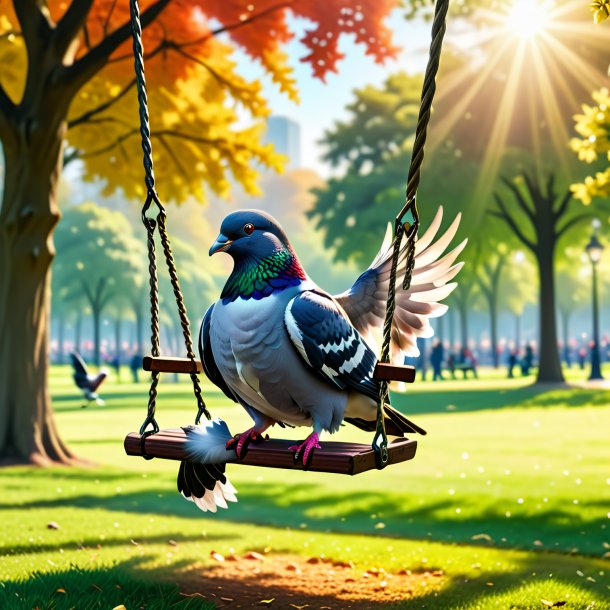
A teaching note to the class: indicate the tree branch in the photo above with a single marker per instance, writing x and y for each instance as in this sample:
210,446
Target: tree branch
33,21
7,107
70,24
157,135
563,205
573,221
87,116
519,198
508,219
91,63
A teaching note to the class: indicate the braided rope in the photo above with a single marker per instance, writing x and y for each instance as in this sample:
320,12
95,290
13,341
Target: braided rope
408,229
184,321
151,224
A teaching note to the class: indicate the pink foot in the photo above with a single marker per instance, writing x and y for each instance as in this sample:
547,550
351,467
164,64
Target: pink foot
306,448
241,441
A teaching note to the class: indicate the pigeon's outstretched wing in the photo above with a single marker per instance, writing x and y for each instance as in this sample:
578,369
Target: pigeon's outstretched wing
365,301
207,357
329,344
78,364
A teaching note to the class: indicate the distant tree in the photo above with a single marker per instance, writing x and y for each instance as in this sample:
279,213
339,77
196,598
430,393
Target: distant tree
489,276
99,259
518,288
539,217
465,298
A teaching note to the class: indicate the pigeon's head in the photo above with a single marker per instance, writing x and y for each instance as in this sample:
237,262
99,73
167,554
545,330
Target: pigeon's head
250,233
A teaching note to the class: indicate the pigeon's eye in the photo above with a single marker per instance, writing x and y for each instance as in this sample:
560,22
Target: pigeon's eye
248,228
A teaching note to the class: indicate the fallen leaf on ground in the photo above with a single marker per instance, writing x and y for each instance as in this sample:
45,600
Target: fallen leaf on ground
53,525
60,591
266,602
313,560
550,604
216,556
227,599
254,555
172,543
121,607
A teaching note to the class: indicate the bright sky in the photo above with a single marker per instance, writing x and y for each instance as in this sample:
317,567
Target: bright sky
324,103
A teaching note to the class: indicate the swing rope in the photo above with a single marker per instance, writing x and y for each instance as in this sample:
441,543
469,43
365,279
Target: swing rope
407,220
150,425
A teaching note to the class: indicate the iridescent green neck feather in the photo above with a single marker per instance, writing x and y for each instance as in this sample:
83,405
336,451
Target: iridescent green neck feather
254,278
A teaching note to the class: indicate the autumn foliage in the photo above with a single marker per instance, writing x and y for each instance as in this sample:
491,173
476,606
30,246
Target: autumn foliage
196,91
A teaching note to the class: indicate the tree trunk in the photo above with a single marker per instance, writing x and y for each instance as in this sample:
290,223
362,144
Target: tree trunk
117,336
96,316
451,328
440,329
549,364
78,327
61,327
493,330
139,313
463,307
517,332
29,213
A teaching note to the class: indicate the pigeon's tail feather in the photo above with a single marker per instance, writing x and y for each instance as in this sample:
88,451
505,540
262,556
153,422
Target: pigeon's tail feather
206,485
96,381
202,478
396,424
206,443
395,419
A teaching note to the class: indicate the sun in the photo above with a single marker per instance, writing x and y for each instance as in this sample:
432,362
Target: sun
528,18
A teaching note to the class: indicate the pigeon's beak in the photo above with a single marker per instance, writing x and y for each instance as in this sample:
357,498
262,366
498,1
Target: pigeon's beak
221,244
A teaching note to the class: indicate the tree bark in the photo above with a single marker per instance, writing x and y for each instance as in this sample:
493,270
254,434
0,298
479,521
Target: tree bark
549,364
61,327
28,216
518,332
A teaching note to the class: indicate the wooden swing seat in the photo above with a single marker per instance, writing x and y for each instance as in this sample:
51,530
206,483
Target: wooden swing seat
334,457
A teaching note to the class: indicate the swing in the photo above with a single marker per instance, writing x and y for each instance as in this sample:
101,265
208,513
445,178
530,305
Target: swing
335,457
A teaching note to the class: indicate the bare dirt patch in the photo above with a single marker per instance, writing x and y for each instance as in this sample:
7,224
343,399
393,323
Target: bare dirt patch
293,582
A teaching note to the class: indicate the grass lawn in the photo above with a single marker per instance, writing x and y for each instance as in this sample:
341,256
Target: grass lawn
509,496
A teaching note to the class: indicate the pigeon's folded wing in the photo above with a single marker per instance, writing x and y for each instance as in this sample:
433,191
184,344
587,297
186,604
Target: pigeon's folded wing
329,344
207,357
365,301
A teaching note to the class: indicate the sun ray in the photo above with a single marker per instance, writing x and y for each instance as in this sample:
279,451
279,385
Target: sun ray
588,77
444,126
559,133
497,140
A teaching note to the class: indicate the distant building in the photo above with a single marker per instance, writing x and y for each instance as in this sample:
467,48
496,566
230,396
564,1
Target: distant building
285,135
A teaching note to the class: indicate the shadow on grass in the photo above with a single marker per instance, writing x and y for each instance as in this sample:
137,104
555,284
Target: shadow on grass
266,504
126,584
93,543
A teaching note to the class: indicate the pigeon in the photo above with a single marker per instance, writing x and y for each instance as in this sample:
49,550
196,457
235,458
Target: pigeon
292,354
86,382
